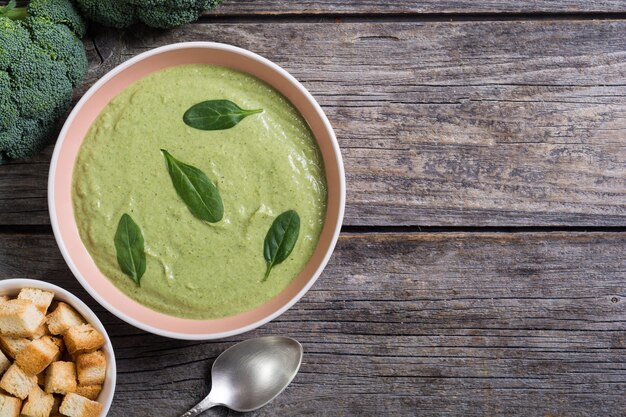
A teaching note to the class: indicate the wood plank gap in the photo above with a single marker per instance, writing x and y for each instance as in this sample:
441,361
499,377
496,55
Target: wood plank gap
408,17
482,229
33,229
47,229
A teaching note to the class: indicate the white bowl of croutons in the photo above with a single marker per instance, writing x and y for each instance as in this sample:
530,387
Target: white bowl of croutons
56,358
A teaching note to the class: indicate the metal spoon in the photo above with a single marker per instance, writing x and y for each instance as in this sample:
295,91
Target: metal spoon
251,374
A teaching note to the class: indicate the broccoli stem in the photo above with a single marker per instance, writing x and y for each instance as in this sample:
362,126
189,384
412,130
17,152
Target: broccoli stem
14,10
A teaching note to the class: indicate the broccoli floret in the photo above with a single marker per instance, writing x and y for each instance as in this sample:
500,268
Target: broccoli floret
41,60
61,44
117,14
8,109
14,40
163,17
40,85
57,11
155,13
12,144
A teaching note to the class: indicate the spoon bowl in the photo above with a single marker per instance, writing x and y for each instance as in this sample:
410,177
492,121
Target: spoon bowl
252,373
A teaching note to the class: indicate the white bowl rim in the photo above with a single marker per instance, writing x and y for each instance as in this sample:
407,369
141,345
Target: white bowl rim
109,75
83,308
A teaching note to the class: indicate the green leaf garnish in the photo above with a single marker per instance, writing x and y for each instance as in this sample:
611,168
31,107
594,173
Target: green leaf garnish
281,239
13,12
8,7
216,115
195,189
129,245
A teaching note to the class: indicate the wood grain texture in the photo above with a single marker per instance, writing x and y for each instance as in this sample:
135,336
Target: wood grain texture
408,325
476,122
445,124
326,7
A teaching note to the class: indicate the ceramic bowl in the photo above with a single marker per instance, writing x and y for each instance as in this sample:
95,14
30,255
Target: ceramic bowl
74,131
12,287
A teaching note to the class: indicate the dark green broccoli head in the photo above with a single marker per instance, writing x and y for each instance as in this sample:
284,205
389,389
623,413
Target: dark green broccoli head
9,114
40,87
57,11
117,14
14,40
41,60
12,139
61,44
155,13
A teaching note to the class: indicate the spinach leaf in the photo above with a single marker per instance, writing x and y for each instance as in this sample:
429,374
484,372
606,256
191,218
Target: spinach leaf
195,189
129,246
216,115
281,239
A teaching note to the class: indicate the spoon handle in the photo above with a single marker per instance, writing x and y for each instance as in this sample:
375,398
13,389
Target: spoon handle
200,408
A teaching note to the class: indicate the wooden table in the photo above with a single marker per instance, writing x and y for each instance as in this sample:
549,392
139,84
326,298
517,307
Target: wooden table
481,270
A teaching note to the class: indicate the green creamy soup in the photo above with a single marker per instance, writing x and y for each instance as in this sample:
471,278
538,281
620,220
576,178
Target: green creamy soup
265,165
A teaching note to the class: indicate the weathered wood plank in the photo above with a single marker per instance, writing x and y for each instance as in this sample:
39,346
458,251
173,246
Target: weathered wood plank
411,324
451,124
326,7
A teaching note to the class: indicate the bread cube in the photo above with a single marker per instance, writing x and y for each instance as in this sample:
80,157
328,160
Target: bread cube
89,391
61,378
38,404
36,357
12,346
40,298
9,406
83,339
4,298
91,368
19,318
4,363
17,383
62,318
41,331
58,342
74,405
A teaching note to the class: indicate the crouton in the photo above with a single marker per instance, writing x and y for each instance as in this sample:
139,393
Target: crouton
9,406
74,405
91,368
83,339
12,346
19,318
40,298
59,344
41,331
38,404
57,340
17,383
36,357
89,391
62,318
36,343
4,363
61,378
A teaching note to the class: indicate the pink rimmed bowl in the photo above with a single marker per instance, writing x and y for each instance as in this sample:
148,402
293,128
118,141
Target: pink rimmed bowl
66,151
